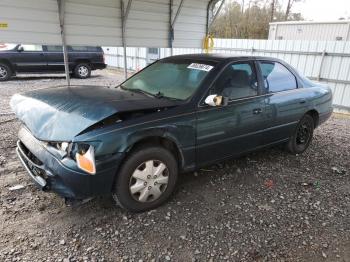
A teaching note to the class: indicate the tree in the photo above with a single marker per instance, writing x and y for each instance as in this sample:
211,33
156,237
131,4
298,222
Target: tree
252,22
272,9
289,7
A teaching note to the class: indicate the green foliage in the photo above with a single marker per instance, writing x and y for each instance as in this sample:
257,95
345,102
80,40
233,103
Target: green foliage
252,23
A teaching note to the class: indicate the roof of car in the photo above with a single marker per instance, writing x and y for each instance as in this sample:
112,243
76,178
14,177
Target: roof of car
217,57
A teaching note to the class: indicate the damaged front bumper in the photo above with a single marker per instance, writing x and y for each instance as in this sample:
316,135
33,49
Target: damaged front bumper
31,167
53,172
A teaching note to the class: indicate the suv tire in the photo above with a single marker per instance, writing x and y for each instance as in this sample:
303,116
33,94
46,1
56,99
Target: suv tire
146,179
82,71
5,72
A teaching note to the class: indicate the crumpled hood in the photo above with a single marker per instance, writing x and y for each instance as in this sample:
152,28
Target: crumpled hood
60,113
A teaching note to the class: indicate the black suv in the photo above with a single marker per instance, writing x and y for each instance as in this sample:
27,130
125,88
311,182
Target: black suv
49,59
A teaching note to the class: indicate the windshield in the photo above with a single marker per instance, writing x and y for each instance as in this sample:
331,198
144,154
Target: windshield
176,80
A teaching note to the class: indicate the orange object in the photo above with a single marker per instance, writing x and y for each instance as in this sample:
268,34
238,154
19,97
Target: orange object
269,183
86,161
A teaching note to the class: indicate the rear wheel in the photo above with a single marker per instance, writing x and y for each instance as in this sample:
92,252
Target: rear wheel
82,71
146,179
5,72
302,135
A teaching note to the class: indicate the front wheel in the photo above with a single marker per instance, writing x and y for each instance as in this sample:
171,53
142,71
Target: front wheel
146,179
5,72
82,71
302,136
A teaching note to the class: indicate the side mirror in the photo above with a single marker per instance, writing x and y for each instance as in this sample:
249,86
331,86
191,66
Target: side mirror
215,100
20,49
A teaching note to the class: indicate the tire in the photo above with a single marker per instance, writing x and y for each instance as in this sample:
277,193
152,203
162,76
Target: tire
145,195
5,72
82,71
302,135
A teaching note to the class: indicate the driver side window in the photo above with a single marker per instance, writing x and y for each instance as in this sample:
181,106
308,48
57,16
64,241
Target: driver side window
238,80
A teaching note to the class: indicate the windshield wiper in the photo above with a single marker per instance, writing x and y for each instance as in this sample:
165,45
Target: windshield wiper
140,91
156,95
159,95
136,90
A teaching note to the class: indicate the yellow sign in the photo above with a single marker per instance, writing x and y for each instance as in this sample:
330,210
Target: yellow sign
3,25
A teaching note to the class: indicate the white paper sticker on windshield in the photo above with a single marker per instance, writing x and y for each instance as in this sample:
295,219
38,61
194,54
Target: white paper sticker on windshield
202,67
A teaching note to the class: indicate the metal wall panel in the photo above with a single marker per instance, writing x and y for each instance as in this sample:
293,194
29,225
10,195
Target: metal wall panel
136,57
190,27
92,22
155,31
29,21
331,31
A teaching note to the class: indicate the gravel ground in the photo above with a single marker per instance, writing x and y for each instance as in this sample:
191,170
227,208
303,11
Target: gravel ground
267,206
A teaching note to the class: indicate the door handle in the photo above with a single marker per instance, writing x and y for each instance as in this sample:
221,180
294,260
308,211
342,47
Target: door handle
257,111
302,101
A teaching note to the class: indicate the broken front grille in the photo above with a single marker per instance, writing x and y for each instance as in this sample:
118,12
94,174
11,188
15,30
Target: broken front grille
31,161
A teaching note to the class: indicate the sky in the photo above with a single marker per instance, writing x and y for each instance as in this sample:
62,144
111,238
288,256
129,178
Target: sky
323,10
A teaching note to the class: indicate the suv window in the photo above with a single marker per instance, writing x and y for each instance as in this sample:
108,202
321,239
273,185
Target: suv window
7,47
54,48
79,48
277,77
35,48
238,80
84,48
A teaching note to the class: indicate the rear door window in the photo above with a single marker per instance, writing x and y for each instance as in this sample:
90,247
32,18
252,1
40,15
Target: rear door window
79,48
54,48
85,48
277,77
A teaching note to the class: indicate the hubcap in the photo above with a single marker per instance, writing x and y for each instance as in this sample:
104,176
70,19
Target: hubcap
83,71
3,72
149,181
303,134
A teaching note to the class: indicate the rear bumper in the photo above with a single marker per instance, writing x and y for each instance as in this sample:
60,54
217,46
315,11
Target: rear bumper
324,117
99,66
52,172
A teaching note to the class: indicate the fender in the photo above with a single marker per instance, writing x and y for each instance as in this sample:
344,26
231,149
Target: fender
163,133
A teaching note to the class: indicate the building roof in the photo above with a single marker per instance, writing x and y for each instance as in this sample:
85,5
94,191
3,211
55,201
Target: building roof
310,22
90,22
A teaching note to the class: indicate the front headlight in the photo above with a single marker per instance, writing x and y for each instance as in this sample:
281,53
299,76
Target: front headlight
82,153
62,146
85,156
